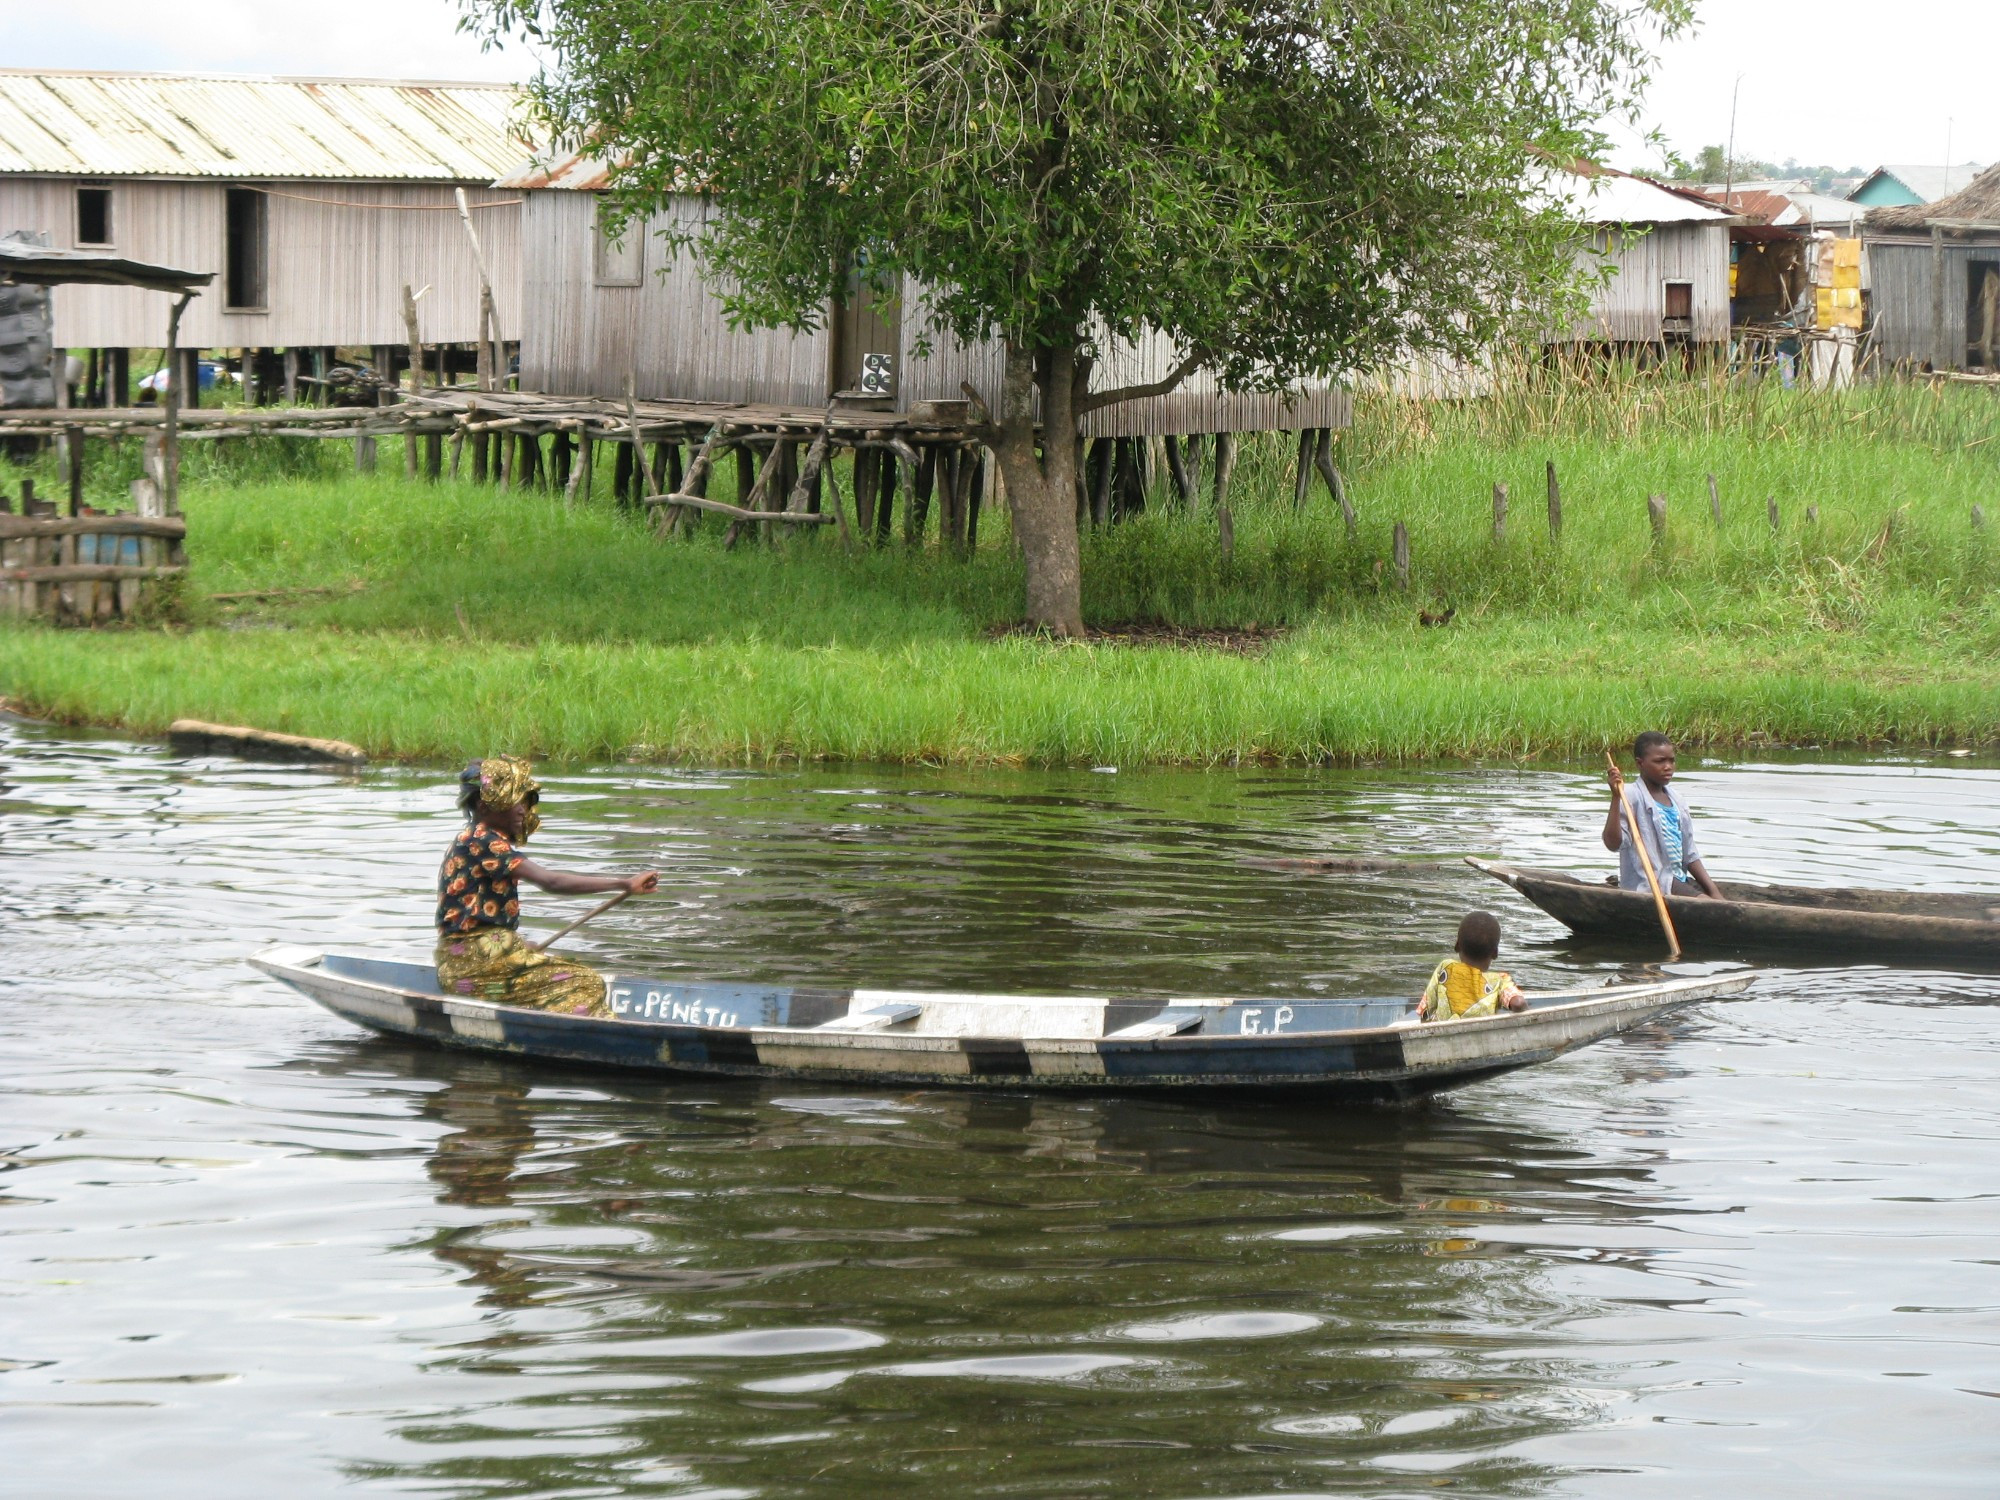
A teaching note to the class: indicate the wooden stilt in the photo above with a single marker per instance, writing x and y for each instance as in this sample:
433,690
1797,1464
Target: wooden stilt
621,476
1177,467
1335,485
1302,479
917,513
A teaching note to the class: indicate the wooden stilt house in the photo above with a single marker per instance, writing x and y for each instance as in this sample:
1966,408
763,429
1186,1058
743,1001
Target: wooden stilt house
605,302
313,202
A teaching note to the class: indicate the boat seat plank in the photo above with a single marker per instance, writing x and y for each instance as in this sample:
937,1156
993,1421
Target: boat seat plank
1166,1023
875,1018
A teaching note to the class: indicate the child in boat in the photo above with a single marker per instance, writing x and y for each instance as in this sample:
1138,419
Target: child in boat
479,948
1468,985
1663,821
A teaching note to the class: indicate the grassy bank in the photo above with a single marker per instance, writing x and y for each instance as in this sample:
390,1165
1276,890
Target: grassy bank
485,619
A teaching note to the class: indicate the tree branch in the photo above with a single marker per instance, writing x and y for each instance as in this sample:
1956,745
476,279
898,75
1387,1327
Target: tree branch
1101,399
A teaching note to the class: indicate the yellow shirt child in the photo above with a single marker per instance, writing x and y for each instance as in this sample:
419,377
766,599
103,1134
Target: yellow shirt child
1468,986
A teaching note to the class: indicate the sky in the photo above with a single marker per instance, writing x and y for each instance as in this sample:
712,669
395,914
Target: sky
1837,82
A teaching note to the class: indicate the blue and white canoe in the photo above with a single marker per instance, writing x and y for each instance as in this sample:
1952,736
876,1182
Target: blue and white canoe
1357,1049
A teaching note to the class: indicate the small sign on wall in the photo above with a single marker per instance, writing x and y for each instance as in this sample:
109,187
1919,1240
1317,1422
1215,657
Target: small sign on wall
878,374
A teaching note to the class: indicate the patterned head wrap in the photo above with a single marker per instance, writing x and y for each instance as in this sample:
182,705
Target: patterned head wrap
502,781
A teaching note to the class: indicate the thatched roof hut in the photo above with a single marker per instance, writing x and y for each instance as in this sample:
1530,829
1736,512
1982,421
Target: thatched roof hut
1935,273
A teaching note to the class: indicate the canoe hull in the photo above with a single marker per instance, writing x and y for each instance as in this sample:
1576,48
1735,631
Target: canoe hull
1797,921
1373,1063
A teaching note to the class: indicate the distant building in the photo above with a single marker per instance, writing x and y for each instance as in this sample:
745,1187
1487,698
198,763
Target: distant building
1935,278
606,302
313,200
1668,253
1892,187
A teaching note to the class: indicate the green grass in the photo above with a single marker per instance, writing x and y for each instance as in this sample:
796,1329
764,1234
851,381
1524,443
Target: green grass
487,619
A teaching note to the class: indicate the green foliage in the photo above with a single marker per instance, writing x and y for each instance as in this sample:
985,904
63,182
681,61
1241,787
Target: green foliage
489,617
1282,186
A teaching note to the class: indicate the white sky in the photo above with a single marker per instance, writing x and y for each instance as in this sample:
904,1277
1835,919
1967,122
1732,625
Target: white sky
1846,82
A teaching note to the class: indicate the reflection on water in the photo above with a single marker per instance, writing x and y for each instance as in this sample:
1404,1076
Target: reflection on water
248,1250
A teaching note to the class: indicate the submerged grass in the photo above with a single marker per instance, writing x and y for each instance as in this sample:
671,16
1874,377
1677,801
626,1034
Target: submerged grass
487,618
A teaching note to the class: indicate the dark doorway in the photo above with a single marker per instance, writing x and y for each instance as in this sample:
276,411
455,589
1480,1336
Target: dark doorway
248,257
867,340
1982,313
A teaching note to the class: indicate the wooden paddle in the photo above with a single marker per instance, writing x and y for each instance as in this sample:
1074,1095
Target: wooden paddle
1645,863
596,911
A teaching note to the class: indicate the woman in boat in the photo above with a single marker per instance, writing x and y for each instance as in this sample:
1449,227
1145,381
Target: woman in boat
479,949
1663,821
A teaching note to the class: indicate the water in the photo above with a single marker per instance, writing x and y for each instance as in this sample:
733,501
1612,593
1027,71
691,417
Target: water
247,1250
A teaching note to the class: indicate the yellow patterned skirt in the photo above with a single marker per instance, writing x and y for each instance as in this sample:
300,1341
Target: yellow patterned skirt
492,963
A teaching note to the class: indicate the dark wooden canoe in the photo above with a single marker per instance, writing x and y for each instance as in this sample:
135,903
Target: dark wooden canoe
1333,1049
1798,921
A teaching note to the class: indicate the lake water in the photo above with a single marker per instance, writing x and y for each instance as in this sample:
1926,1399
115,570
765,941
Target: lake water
247,1250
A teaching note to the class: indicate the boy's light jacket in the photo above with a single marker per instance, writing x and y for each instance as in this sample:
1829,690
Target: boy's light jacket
1646,812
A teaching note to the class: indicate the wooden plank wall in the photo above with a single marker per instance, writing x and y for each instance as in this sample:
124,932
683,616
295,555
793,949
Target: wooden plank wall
1629,309
1900,298
669,332
335,273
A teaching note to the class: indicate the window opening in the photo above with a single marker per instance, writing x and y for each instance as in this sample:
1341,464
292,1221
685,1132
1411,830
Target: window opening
93,216
1679,301
247,251
621,249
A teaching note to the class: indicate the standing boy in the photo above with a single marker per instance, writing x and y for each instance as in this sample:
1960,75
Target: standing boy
1663,821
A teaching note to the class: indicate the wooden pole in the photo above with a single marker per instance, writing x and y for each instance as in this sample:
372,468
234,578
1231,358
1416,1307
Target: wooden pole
170,441
1225,465
1555,505
1336,486
1400,553
1938,361
1177,467
1656,512
596,911
1771,509
1302,478
1714,503
1499,514
1646,864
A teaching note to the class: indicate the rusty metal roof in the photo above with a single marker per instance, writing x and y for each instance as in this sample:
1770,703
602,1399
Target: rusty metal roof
576,172
187,125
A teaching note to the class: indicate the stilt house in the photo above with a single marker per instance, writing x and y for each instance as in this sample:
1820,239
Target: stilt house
314,201
1934,279
603,302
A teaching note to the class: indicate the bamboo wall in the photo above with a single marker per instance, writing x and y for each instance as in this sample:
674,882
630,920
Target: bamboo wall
1629,310
334,274
1901,297
668,332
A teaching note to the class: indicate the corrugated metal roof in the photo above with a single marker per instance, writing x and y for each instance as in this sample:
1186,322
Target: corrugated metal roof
184,125
575,172
1603,195
1929,183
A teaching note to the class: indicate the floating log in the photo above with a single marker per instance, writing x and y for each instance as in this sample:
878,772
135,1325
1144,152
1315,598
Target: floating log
195,737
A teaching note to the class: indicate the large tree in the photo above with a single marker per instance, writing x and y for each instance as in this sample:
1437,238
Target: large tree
1285,188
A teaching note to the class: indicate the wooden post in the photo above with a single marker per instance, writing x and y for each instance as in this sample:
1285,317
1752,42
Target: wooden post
1714,504
1399,552
1177,468
1656,512
1771,507
1499,514
1978,516
621,477
1225,465
170,435
579,474
1102,452
416,375
1812,515
885,496
1336,486
916,515
1555,505
1308,450
867,474
975,501
291,377
1938,360
1225,530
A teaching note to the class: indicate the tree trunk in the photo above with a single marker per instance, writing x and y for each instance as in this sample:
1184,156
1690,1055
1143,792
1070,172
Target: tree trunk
1041,480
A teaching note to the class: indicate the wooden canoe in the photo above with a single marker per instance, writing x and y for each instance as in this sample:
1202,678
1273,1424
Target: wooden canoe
1794,920
1340,1049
